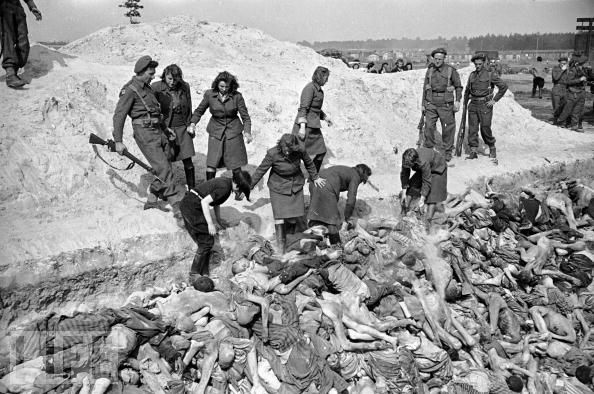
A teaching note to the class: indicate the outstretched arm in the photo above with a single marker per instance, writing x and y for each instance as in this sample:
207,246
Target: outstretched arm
286,289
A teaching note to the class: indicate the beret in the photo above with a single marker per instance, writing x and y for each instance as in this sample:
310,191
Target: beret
439,50
143,63
480,56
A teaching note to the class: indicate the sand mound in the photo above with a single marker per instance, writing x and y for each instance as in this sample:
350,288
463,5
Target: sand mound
59,201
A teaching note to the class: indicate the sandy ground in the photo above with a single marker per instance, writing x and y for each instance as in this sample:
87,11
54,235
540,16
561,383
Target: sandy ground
59,200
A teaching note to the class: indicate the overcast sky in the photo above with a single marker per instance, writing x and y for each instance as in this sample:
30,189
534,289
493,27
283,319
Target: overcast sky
322,20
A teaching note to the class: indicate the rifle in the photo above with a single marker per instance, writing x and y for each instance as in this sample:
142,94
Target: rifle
421,128
94,139
461,131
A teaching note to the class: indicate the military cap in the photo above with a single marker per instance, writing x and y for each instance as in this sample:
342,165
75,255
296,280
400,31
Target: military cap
439,50
143,63
478,56
562,59
579,58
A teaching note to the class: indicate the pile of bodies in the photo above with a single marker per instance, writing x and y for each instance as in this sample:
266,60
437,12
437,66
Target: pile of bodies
495,299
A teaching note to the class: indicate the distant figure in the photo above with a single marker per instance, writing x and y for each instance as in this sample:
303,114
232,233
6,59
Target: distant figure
174,96
15,40
309,116
399,66
538,73
408,66
384,69
495,66
479,96
442,92
226,131
371,68
559,77
138,101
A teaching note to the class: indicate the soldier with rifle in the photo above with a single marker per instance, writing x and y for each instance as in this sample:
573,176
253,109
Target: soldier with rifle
576,93
442,92
138,101
479,98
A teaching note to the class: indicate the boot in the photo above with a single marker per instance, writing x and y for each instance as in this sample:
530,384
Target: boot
12,79
210,175
281,237
492,152
190,177
473,155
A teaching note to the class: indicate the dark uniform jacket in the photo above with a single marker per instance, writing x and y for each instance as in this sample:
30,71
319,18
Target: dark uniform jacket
286,176
430,161
437,88
559,76
131,104
224,120
574,84
310,106
340,179
164,96
479,85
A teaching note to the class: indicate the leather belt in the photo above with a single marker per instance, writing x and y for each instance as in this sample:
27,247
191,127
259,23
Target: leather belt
143,121
484,98
437,94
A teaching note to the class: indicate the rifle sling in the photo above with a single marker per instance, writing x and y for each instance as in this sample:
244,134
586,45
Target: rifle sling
129,167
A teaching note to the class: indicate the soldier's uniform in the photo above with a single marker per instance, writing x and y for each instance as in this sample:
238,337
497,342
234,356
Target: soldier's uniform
559,78
576,93
14,35
479,92
138,101
438,101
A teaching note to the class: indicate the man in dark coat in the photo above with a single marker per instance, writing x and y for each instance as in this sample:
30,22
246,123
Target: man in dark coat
480,110
15,40
576,93
323,208
138,101
559,77
439,102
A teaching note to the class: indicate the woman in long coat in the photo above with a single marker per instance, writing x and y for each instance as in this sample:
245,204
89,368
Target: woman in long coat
225,129
285,184
310,114
173,94
430,181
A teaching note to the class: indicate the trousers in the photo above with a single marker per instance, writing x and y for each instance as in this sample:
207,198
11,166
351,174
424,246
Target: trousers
14,35
445,114
574,106
154,145
480,116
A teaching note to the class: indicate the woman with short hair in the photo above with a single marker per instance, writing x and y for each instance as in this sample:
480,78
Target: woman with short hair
285,184
430,181
173,94
309,116
226,147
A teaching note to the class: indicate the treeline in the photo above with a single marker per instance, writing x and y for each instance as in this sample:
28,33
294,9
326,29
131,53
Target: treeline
454,43
458,44
522,41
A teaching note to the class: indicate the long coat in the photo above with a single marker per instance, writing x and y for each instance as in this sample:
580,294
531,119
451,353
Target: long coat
183,147
286,176
324,200
310,112
225,142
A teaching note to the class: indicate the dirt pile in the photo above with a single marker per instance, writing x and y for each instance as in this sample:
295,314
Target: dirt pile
59,201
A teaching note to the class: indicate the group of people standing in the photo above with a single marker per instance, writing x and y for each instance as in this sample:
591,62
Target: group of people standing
164,126
568,95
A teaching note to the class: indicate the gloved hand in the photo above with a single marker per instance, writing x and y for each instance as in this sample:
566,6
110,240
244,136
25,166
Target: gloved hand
191,130
302,132
171,134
